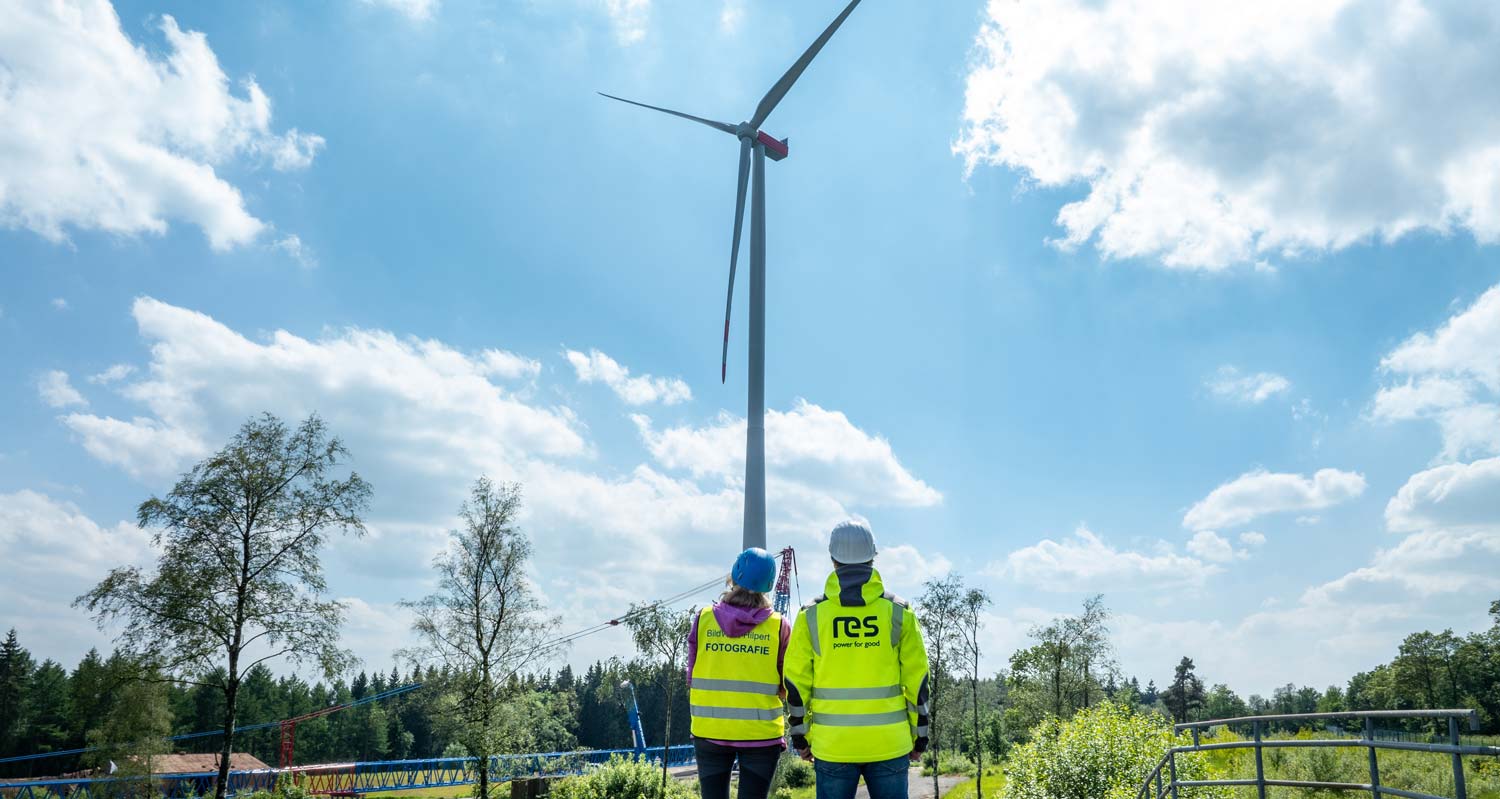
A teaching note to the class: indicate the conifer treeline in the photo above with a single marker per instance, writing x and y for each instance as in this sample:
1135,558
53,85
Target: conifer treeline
46,708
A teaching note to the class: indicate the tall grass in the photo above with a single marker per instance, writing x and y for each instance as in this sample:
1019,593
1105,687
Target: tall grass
1427,772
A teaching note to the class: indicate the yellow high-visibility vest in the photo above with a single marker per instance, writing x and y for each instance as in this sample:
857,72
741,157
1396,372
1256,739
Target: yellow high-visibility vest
735,694
856,672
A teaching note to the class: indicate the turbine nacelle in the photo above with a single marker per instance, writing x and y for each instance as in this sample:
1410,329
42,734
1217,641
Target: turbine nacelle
776,149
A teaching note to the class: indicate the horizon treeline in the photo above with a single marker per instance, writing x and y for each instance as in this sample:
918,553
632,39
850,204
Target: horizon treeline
45,707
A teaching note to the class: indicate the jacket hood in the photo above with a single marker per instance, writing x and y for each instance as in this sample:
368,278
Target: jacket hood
735,621
854,584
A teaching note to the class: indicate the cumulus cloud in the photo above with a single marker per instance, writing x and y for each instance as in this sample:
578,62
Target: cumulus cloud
808,444
422,419
55,390
1455,495
1230,384
53,552
416,10
630,19
1087,562
103,134
1452,377
59,303
1260,492
1213,134
596,367
409,391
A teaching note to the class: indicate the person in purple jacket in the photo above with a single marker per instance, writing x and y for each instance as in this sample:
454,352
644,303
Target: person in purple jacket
736,650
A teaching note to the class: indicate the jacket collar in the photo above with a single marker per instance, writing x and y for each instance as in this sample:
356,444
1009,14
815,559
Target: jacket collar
854,585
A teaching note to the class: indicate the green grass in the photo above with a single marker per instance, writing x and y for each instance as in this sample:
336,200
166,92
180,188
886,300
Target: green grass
1414,771
994,786
444,792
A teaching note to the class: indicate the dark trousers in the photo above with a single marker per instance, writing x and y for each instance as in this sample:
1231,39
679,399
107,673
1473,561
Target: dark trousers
885,779
716,761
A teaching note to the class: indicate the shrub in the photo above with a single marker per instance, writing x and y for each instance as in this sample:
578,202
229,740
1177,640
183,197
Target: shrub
797,773
782,793
948,763
621,779
1104,752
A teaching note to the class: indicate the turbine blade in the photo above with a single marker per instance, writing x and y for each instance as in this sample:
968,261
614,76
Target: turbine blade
734,254
768,103
727,128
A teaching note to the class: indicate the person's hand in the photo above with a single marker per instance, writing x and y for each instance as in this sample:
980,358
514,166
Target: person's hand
805,754
919,749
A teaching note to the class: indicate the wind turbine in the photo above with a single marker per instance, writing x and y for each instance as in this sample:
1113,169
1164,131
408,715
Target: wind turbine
758,144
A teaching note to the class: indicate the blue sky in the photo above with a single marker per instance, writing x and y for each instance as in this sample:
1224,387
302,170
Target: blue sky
1059,297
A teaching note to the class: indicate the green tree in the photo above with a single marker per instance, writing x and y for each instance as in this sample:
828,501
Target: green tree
15,679
134,731
485,622
1185,694
1223,703
239,572
941,607
661,634
971,623
47,709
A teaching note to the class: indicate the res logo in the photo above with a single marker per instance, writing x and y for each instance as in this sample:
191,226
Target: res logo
855,627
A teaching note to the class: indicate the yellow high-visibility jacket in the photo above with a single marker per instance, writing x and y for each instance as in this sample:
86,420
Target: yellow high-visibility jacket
735,693
856,672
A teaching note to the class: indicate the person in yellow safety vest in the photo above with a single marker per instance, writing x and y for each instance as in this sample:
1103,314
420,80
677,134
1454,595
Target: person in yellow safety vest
735,651
856,677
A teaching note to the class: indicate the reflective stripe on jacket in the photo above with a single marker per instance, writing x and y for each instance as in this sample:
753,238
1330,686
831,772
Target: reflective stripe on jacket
736,687
856,671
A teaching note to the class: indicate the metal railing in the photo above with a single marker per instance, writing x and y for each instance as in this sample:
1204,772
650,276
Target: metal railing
1163,782
340,778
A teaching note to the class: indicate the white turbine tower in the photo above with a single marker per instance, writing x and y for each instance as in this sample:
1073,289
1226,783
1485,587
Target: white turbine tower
754,141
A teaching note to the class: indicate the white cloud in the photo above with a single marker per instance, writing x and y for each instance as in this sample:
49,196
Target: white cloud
56,391
1260,492
1451,376
1228,383
421,420
1215,134
732,16
1455,495
113,374
410,391
294,248
1212,547
596,367
499,363
630,18
59,303
1253,539
1087,562
904,568
102,134
417,10
1438,562
53,552
808,444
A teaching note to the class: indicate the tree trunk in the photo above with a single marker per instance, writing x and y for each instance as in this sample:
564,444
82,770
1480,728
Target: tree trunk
666,738
231,695
932,729
978,743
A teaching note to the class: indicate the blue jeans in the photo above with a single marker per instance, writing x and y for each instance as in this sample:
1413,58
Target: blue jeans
886,779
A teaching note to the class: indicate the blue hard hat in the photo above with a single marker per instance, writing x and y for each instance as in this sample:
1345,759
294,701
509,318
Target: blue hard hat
754,569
